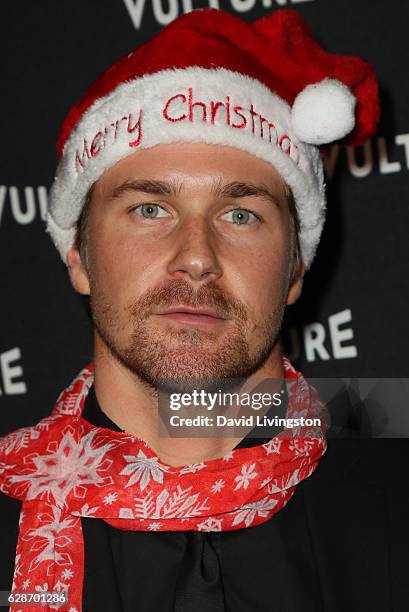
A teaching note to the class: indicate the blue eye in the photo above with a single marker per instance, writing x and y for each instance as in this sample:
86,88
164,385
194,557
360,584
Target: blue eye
149,211
241,216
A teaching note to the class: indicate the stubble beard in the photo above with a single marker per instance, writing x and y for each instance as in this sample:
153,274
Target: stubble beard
184,358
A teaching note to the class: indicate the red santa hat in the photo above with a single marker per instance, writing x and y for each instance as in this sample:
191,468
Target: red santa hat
267,88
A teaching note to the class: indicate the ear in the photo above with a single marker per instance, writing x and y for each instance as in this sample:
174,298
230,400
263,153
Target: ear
296,285
77,272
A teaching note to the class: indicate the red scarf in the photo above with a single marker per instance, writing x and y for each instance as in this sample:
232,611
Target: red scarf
64,468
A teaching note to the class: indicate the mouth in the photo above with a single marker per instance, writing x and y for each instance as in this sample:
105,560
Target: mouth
192,316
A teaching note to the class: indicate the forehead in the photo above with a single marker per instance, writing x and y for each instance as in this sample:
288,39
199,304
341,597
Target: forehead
192,165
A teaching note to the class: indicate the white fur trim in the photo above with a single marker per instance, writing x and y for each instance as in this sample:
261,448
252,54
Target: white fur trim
109,122
324,112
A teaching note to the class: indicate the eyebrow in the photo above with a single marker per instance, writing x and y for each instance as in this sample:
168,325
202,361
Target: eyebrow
147,186
220,189
238,189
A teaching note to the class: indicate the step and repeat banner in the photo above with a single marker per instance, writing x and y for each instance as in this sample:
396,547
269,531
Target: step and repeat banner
352,320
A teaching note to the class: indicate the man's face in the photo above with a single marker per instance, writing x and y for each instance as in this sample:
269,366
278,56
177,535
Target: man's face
164,233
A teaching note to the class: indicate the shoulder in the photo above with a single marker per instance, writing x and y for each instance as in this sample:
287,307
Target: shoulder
360,479
374,461
357,509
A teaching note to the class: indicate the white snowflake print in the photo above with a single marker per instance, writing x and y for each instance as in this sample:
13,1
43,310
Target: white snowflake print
274,488
142,469
72,401
19,439
45,423
18,563
248,512
154,526
265,482
61,587
26,583
301,448
73,610
192,468
315,432
210,524
47,539
228,456
5,466
182,503
87,511
126,513
247,474
70,465
291,480
217,486
67,574
110,498
42,587
273,446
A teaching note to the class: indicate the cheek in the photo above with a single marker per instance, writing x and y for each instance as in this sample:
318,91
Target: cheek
258,278
123,268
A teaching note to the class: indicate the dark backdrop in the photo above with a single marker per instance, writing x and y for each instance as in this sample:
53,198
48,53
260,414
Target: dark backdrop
352,320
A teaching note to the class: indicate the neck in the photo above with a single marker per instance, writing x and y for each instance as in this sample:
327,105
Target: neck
132,405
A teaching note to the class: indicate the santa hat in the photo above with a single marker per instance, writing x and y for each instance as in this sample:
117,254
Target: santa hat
267,88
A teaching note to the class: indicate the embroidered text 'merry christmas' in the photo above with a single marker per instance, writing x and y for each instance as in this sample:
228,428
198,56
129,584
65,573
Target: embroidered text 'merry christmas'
185,107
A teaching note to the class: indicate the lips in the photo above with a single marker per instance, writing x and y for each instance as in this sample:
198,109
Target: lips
209,312
193,316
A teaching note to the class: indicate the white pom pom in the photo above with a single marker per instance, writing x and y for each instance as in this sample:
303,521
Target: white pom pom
323,112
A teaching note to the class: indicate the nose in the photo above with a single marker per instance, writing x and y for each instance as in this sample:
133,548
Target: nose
195,251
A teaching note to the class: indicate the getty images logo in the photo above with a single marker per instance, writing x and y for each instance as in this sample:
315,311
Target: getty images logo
165,11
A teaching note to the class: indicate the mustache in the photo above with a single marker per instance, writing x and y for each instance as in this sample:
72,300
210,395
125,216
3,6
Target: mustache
180,291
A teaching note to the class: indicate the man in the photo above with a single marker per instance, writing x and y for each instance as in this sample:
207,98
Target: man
188,205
